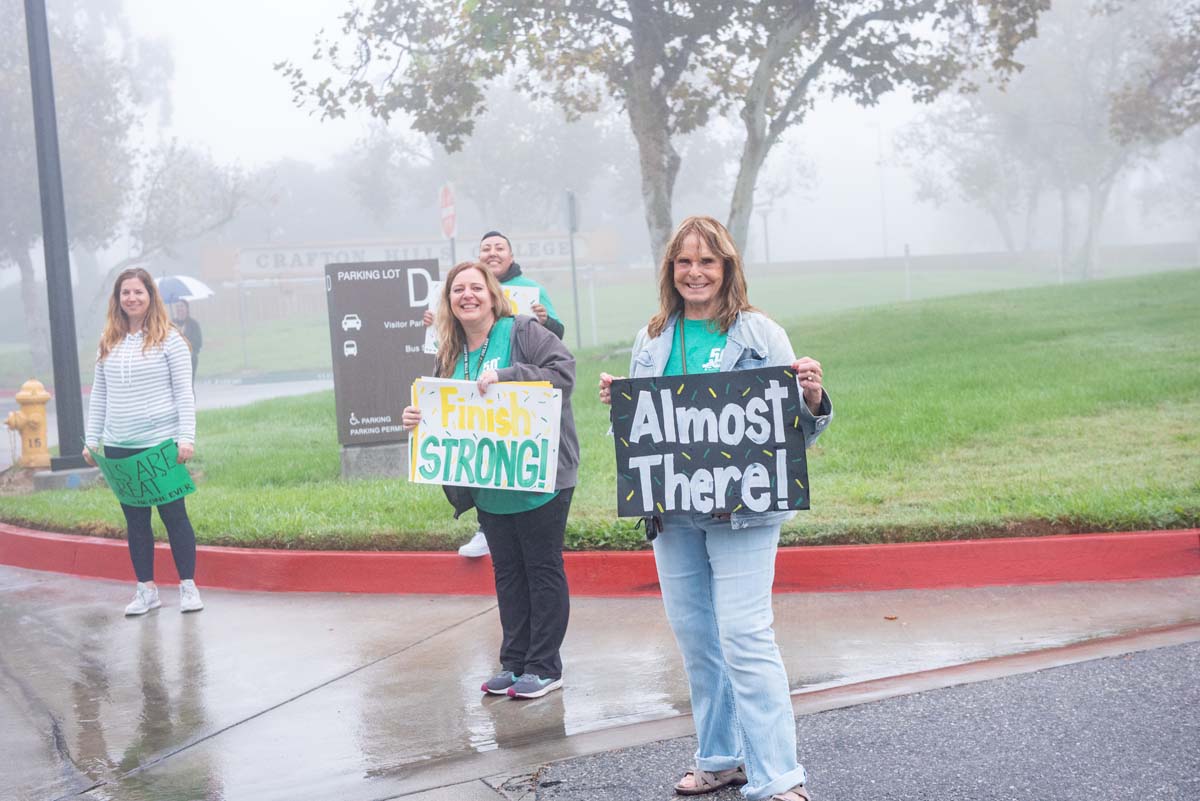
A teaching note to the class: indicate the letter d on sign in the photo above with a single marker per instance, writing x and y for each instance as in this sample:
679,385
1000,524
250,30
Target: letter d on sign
423,300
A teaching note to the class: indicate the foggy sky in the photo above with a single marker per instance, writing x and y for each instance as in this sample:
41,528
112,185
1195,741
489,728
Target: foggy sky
227,98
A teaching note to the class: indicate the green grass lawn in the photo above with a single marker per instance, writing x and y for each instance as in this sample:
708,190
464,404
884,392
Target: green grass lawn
299,345
1060,409
623,300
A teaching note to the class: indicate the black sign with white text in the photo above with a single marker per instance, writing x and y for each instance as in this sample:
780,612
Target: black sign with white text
709,442
376,332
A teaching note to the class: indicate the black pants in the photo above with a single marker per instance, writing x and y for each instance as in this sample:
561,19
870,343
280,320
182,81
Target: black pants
140,536
531,585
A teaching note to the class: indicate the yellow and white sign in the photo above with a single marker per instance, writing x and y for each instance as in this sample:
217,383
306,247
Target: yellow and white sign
506,439
520,298
520,301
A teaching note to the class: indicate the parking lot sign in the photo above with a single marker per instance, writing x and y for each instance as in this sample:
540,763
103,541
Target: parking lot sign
376,335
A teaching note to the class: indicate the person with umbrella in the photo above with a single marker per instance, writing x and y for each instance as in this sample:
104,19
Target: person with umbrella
181,316
176,291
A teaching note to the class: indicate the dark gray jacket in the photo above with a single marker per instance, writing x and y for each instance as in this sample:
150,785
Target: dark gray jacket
538,355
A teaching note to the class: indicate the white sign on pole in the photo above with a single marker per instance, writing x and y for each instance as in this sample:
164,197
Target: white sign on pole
435,302
521,298
446,204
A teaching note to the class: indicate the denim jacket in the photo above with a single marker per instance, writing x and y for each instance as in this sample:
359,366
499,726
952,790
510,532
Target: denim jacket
753,341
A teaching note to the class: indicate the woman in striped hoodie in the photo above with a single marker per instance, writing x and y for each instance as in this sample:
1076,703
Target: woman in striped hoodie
142,395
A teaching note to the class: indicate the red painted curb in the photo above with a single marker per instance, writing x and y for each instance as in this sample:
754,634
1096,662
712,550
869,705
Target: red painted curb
840,568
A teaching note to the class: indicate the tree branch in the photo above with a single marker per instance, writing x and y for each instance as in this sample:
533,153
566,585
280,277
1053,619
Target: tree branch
783,119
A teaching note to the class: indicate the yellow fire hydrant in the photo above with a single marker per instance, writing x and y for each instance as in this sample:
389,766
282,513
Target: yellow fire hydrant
31,423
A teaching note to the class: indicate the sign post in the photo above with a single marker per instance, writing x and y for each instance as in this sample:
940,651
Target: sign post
449,218
572,229
376,333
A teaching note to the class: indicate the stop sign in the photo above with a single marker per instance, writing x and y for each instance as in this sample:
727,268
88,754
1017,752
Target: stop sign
446,204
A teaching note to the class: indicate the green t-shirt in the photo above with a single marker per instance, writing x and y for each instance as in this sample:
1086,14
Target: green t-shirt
497,356
543,298
705,345
499,345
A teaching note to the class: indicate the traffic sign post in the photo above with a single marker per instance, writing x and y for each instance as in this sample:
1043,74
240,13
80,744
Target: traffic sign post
572,227
448,216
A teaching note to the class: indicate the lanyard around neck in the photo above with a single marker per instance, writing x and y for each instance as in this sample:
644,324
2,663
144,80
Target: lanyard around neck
467,357
682,346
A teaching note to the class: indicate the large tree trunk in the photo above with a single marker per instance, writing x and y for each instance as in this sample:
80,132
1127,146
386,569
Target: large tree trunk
741,206
37,328
650,122
1031,209
1098,194
1000,217
659,168
760,137
1064,237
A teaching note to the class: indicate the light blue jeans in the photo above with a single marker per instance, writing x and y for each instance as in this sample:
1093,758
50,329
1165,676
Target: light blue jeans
716,586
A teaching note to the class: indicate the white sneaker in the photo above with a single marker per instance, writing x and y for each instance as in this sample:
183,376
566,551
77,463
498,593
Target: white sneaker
145,598
476,548
189,597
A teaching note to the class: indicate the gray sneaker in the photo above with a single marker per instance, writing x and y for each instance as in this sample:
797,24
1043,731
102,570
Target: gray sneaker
189,597
499,684
145,598
531,685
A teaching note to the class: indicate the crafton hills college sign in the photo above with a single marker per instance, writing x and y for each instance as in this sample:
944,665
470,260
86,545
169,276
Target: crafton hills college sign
309,260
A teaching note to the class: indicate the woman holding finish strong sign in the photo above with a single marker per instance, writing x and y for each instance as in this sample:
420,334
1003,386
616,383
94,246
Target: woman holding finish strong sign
716,570
479,340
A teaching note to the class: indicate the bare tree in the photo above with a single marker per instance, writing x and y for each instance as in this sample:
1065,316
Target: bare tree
184,195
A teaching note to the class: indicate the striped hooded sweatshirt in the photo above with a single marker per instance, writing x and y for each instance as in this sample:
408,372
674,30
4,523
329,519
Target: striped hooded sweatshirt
141,398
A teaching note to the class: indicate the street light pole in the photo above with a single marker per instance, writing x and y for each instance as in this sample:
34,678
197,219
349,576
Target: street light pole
63,347
572,227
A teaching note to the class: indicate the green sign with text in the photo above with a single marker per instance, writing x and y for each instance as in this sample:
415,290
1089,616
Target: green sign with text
150,478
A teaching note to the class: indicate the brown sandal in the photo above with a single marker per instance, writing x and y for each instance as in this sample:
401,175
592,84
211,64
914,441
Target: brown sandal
704,781
797,793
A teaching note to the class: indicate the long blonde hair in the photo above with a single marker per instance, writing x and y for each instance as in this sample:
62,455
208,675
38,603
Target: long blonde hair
157,325
450,334
734,297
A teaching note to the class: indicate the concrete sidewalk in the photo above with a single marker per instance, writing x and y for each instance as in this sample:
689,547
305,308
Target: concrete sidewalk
322,696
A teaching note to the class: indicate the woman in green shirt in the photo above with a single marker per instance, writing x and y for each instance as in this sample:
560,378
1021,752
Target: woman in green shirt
479,340
716,570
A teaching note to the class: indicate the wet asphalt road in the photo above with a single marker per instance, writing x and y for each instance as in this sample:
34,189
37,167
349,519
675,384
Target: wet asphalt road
1125,727
292,696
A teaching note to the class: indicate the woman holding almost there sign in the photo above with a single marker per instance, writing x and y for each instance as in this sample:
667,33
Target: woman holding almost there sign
716,570
479,340
142,395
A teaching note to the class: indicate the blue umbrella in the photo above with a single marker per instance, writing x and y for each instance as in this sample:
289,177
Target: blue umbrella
182,287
